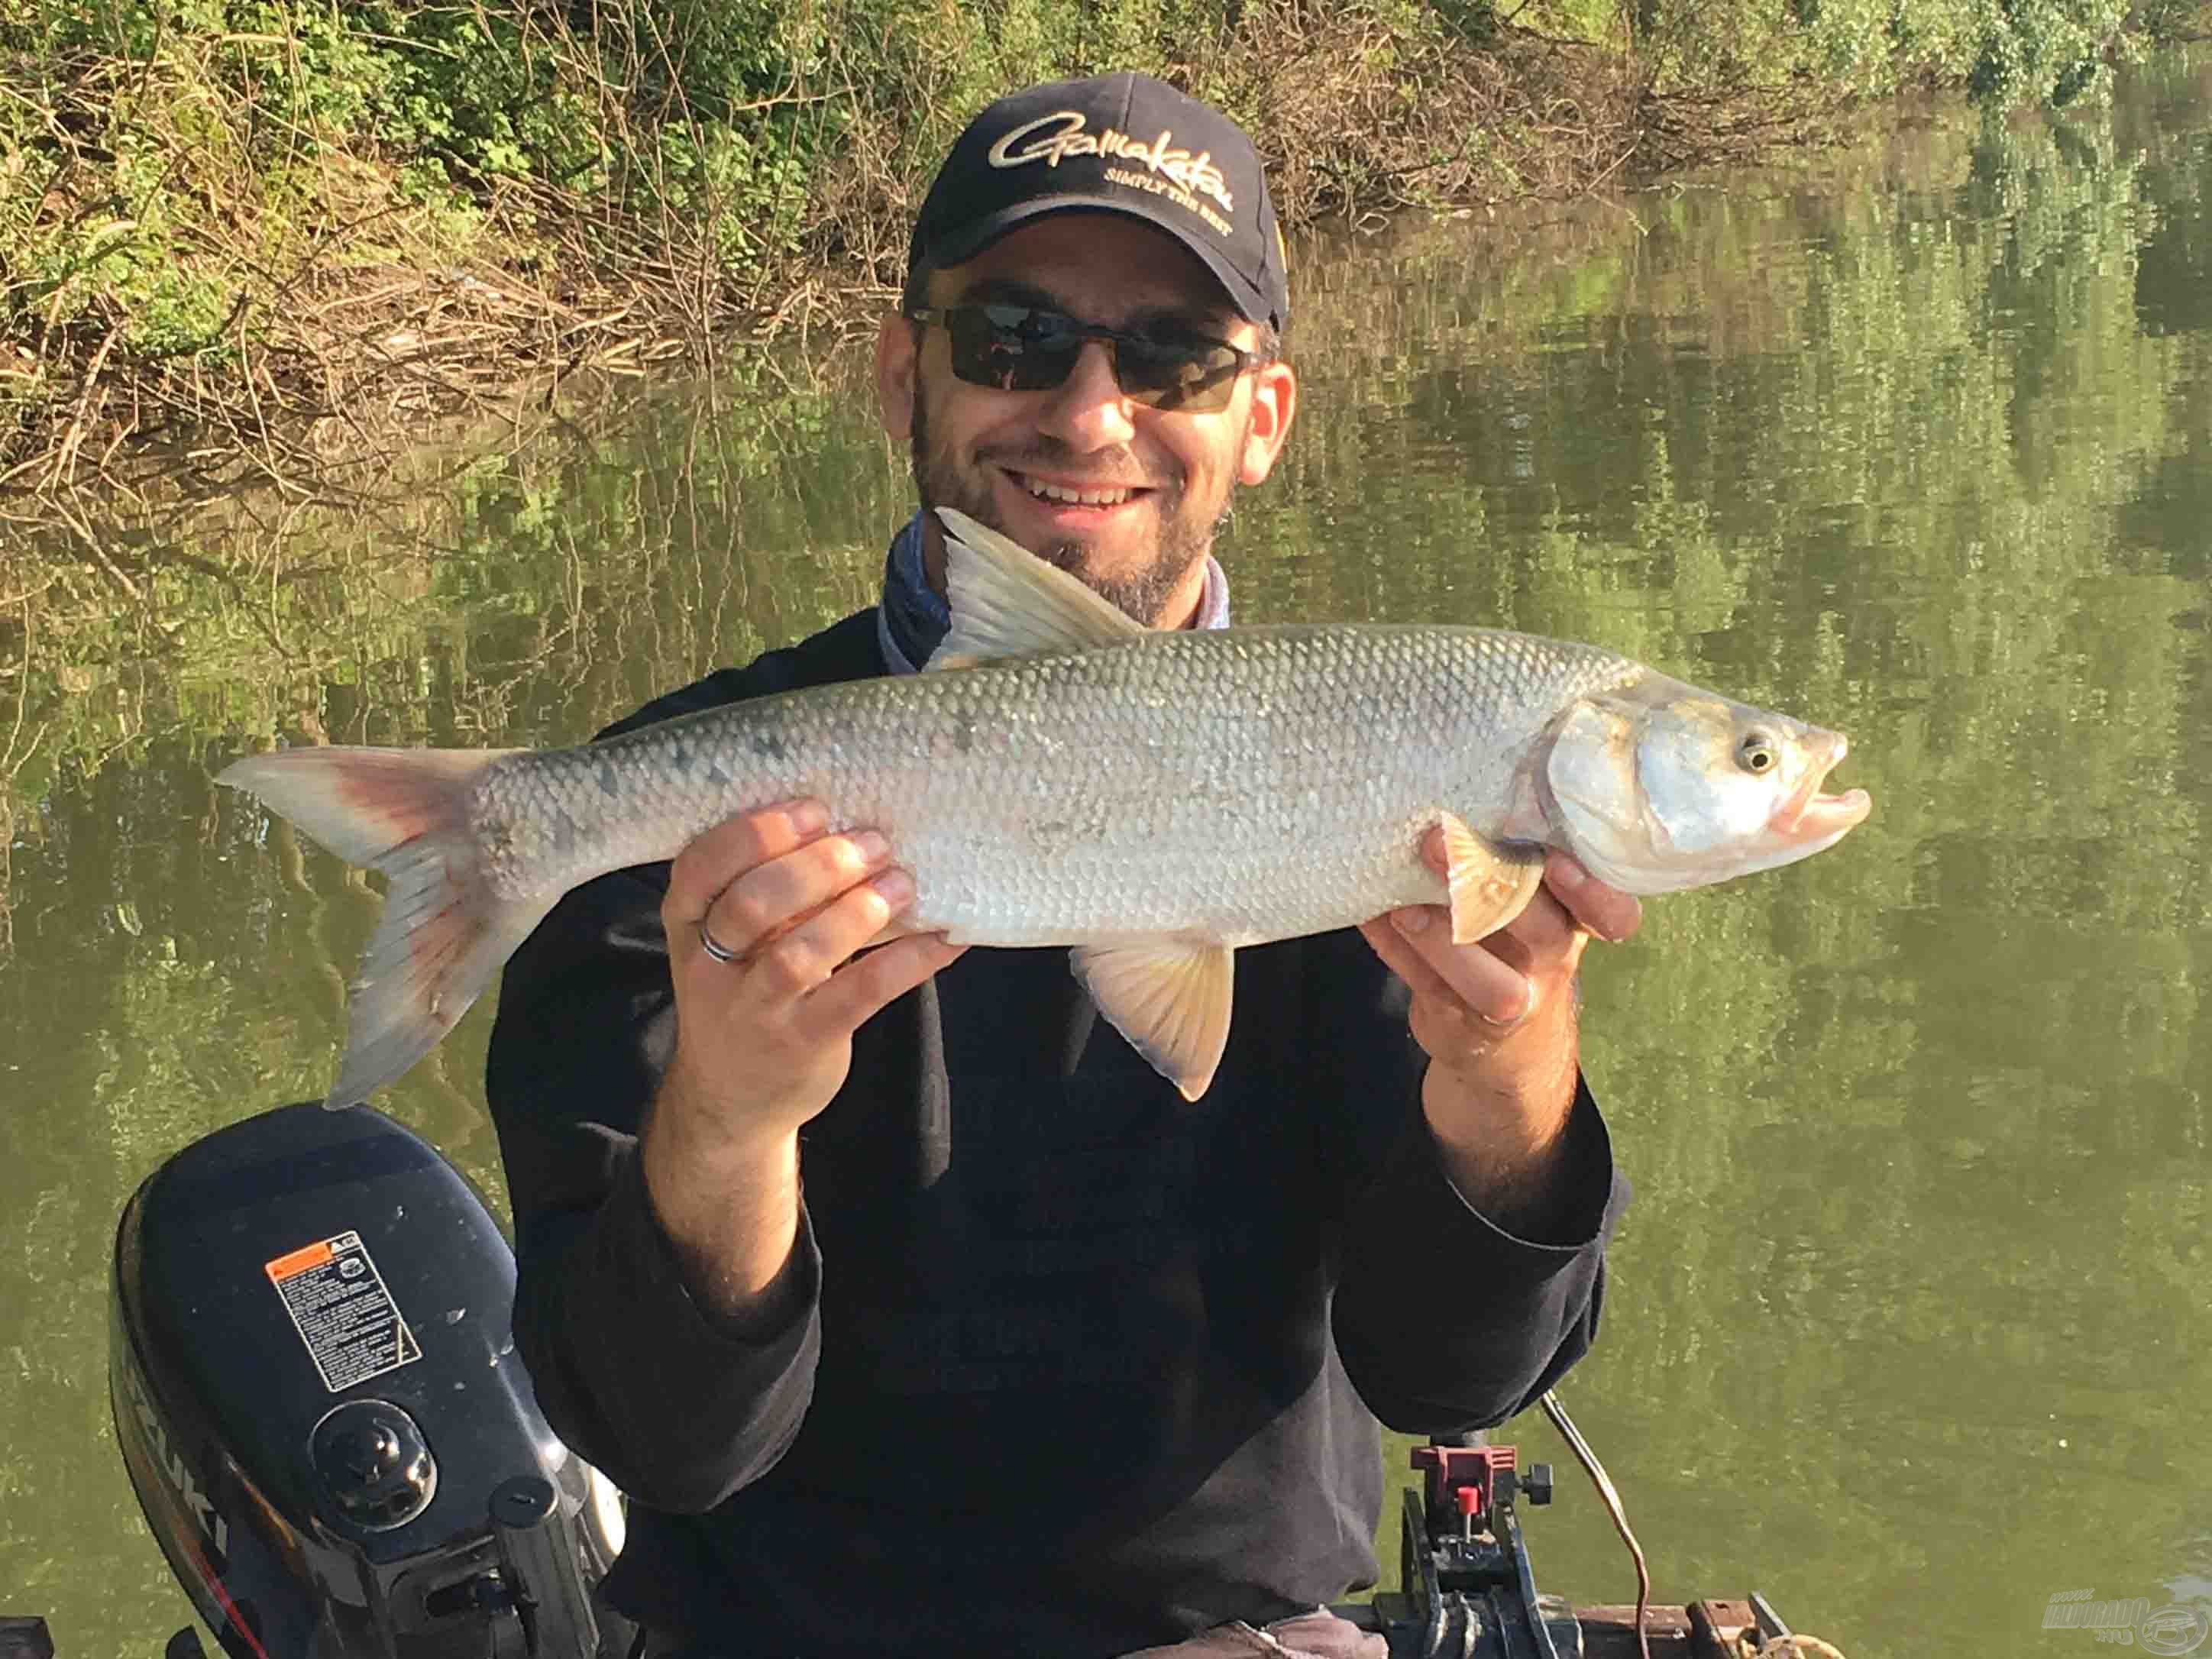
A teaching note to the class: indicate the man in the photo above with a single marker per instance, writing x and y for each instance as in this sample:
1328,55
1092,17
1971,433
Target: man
1041,1359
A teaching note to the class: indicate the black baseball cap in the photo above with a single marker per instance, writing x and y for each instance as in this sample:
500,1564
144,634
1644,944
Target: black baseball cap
1115,144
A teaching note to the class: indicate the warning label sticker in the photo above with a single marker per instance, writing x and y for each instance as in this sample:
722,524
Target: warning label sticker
338,1305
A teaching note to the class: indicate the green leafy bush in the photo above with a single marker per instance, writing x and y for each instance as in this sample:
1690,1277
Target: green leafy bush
2006,52
189,182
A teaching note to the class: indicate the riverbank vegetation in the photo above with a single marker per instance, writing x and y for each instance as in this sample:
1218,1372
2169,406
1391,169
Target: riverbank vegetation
247,242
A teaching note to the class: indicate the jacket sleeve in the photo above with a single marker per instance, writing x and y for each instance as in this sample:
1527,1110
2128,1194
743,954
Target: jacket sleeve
630,1372
1444,1321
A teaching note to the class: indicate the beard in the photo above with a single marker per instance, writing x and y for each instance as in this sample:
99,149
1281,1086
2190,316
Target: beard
1141,592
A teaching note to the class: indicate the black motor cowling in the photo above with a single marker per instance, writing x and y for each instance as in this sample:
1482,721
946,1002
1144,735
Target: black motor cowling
318,1398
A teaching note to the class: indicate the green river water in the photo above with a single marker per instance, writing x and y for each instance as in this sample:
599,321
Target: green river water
1910,1324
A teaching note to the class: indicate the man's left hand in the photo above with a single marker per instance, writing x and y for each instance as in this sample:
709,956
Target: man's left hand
1497,1019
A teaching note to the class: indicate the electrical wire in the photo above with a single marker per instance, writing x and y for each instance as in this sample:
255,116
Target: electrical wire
1603,1482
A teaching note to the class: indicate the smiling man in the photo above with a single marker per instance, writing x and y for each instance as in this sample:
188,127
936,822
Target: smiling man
1125,500
1041,1359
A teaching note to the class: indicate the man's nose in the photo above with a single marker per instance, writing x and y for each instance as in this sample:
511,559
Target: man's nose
1087,411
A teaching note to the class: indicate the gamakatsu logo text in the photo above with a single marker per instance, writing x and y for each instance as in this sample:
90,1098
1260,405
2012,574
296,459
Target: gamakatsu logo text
1175,174
2172,1629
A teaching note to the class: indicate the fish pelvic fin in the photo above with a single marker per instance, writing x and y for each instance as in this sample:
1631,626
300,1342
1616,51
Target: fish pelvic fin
1490,884
1008,602
1170,998
445,930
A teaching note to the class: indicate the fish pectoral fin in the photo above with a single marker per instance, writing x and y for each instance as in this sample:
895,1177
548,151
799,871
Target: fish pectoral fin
1170,997
1490,884
1008,602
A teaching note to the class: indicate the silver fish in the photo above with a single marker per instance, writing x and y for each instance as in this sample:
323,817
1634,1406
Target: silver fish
1063,776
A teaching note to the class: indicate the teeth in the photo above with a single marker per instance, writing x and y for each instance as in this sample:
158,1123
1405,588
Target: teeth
1051,492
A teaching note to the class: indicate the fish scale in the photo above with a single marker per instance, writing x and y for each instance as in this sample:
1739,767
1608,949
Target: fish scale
1197,783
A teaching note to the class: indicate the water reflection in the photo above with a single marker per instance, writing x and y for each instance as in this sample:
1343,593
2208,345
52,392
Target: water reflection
1908,1327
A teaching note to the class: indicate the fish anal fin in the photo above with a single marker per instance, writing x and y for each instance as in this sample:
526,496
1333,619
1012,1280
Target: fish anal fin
1490,884
1170,997
1008,602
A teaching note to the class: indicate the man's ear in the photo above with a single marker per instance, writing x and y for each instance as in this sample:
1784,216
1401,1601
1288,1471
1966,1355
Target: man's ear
1274,403
898,360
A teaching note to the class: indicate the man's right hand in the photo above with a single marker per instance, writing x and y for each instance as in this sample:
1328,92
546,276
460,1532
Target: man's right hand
763,1043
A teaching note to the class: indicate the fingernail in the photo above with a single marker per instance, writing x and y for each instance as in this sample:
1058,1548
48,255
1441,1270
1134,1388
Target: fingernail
897,887
874,848
1528,1003
1413,920
810,817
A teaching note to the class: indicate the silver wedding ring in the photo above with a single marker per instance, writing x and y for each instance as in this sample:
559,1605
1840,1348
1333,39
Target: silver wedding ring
714,947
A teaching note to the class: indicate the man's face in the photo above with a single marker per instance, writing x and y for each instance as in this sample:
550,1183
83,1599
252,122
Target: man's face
1124,496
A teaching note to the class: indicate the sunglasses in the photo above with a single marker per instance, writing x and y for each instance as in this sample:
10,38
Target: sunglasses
1015,348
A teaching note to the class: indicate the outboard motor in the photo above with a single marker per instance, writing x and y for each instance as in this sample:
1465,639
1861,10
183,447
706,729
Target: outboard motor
318,1398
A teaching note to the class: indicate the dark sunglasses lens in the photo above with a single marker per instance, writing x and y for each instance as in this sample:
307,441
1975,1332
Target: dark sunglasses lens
1191,375
1021,349
999,346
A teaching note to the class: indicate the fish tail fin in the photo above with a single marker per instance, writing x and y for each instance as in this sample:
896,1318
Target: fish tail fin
445,930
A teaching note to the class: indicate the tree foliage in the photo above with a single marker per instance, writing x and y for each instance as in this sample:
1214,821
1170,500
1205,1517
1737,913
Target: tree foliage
241,217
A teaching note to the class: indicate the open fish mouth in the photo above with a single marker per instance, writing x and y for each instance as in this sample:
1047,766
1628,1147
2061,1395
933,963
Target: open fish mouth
1812,815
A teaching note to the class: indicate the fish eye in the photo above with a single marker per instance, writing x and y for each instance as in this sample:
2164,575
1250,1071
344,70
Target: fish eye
1757,753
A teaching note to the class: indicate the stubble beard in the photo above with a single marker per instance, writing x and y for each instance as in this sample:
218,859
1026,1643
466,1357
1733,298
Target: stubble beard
1143,592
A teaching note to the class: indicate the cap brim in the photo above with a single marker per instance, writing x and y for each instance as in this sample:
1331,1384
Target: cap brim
975,238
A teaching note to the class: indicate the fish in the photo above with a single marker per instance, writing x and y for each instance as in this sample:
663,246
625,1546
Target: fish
1059,774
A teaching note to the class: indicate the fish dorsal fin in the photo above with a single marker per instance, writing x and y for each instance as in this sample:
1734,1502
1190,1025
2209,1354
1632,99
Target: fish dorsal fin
1008,602
1170,997
1490,884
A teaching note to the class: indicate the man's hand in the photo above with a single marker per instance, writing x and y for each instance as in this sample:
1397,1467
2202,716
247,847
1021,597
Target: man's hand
763,1041
1498,1021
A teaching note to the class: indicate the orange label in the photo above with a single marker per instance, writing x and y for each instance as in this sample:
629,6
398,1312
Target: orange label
299,1261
